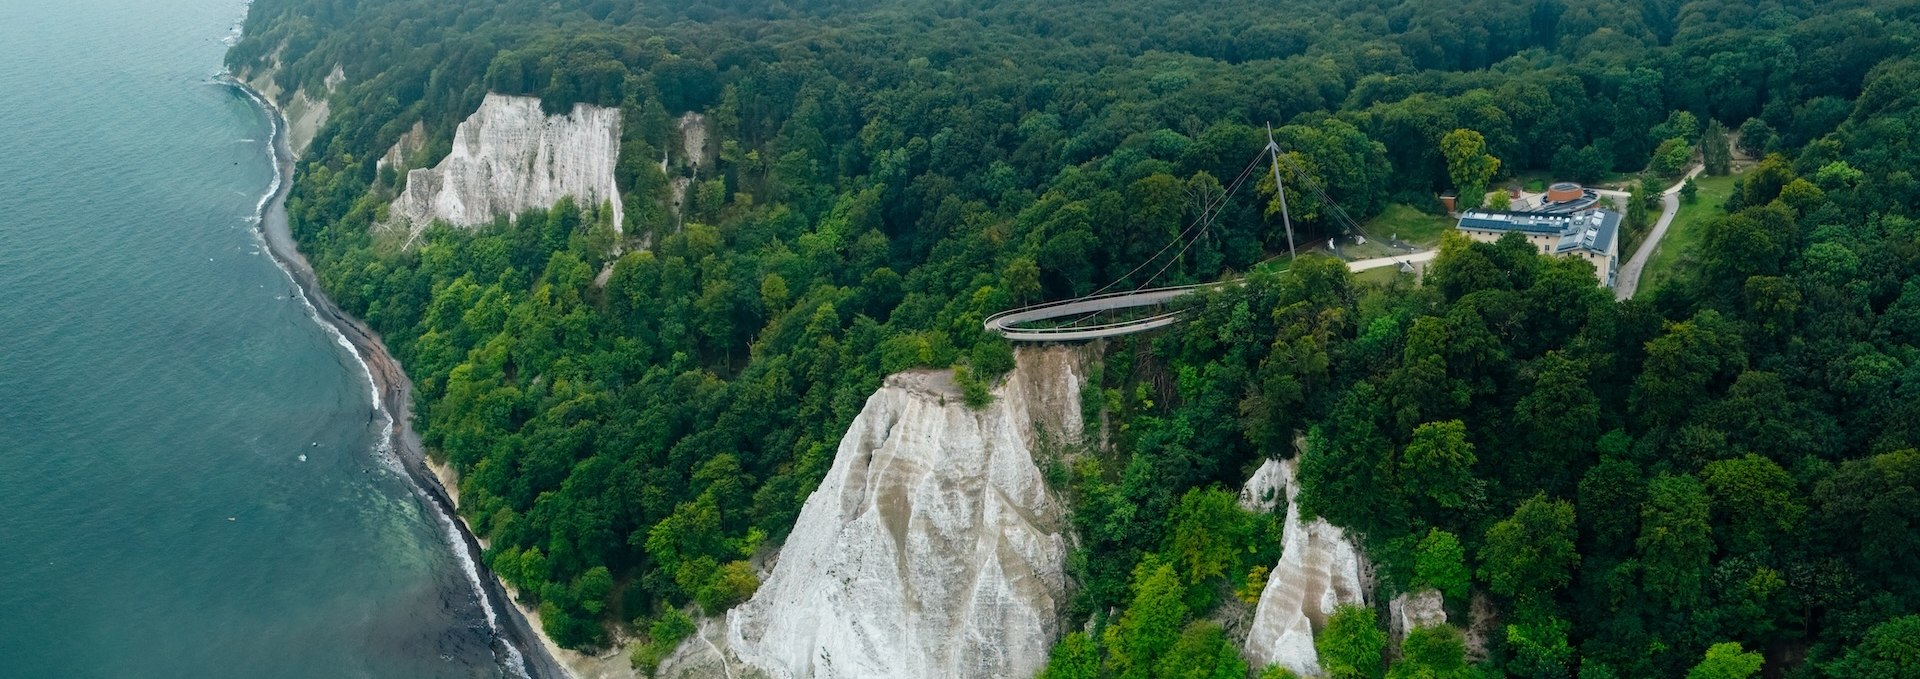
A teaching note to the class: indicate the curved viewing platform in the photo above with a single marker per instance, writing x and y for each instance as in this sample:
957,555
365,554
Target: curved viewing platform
1009,324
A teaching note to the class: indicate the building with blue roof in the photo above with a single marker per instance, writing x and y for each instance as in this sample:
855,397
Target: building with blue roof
1593,235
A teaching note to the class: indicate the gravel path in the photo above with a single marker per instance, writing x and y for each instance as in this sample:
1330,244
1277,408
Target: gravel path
1628,281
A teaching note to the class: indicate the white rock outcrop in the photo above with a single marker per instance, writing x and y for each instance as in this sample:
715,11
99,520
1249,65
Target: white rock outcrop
1413,610
305,114
693,146
932,549
1319,569
510,157
1483,622
1267,488
406,149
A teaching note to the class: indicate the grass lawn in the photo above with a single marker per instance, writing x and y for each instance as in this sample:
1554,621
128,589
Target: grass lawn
1275,264
1533,181
1413,226
1381,276
1675,253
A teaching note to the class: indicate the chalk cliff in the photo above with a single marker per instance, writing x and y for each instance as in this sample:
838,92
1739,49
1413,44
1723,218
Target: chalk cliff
933,547
693,144
1412,610
406,150
1319,569
305,113
509,157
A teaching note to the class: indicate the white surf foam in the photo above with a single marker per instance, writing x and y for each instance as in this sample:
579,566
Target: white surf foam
515,661
472,570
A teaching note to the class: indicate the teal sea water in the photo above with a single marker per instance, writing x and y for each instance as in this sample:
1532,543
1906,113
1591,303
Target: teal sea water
160,383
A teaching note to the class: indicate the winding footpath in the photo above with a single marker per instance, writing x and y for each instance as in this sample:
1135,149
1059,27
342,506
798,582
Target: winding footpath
522,644
1628,280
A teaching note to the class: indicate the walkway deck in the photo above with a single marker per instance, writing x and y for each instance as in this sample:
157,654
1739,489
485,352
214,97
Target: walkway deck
1004,322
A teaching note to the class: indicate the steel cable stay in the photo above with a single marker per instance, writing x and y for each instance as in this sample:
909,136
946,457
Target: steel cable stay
1208,214
1340,214
1101,301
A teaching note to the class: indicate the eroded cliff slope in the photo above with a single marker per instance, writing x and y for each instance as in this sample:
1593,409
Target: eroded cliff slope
509,157
1319,569
933,547
305,113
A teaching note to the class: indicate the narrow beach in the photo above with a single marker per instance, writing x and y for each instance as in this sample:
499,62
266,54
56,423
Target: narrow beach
522,644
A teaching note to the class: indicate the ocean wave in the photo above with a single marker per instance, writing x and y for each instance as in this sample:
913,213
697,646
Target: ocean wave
514,662
467,566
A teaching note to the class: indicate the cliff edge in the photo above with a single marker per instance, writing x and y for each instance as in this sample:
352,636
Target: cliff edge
933,547
1319,569
305,114
510,157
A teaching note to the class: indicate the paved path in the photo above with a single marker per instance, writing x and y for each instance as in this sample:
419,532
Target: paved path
1377,262
1005,322
1628,281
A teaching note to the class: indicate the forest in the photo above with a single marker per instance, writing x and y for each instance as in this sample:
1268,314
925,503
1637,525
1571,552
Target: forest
1717,478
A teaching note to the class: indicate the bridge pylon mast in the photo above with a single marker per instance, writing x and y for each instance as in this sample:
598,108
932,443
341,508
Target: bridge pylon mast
1280,190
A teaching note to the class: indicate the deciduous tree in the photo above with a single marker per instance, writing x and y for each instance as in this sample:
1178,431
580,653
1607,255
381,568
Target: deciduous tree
1716,156
1726,661
1352,646
1441,563
1437,465
1675,541
1531,554
1468,164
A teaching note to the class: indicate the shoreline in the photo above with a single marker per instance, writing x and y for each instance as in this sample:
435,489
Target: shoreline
392,399
578,665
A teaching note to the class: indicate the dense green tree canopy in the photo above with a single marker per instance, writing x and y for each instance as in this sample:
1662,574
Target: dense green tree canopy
634,417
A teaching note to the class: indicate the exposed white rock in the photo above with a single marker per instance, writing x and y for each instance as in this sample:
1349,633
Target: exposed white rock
305,117
693,139
1482,623
704,656
1266,488
693,147
510,157
1319,569
932,548
305,114
1425,608
405,150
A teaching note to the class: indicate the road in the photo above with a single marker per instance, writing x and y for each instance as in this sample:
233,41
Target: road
1004,322
1628,281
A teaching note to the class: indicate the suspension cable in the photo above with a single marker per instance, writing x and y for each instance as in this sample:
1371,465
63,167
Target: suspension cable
1209,212
1206,211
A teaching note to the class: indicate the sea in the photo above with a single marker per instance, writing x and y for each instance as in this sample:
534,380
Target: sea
191,477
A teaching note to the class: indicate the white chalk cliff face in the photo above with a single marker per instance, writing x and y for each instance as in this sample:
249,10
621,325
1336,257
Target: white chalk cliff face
1319,569
933,547
693,143
406,149
1413,610
510,157
305,114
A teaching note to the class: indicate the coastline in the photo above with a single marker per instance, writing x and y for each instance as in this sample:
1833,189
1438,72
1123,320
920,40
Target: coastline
525,644
612,664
